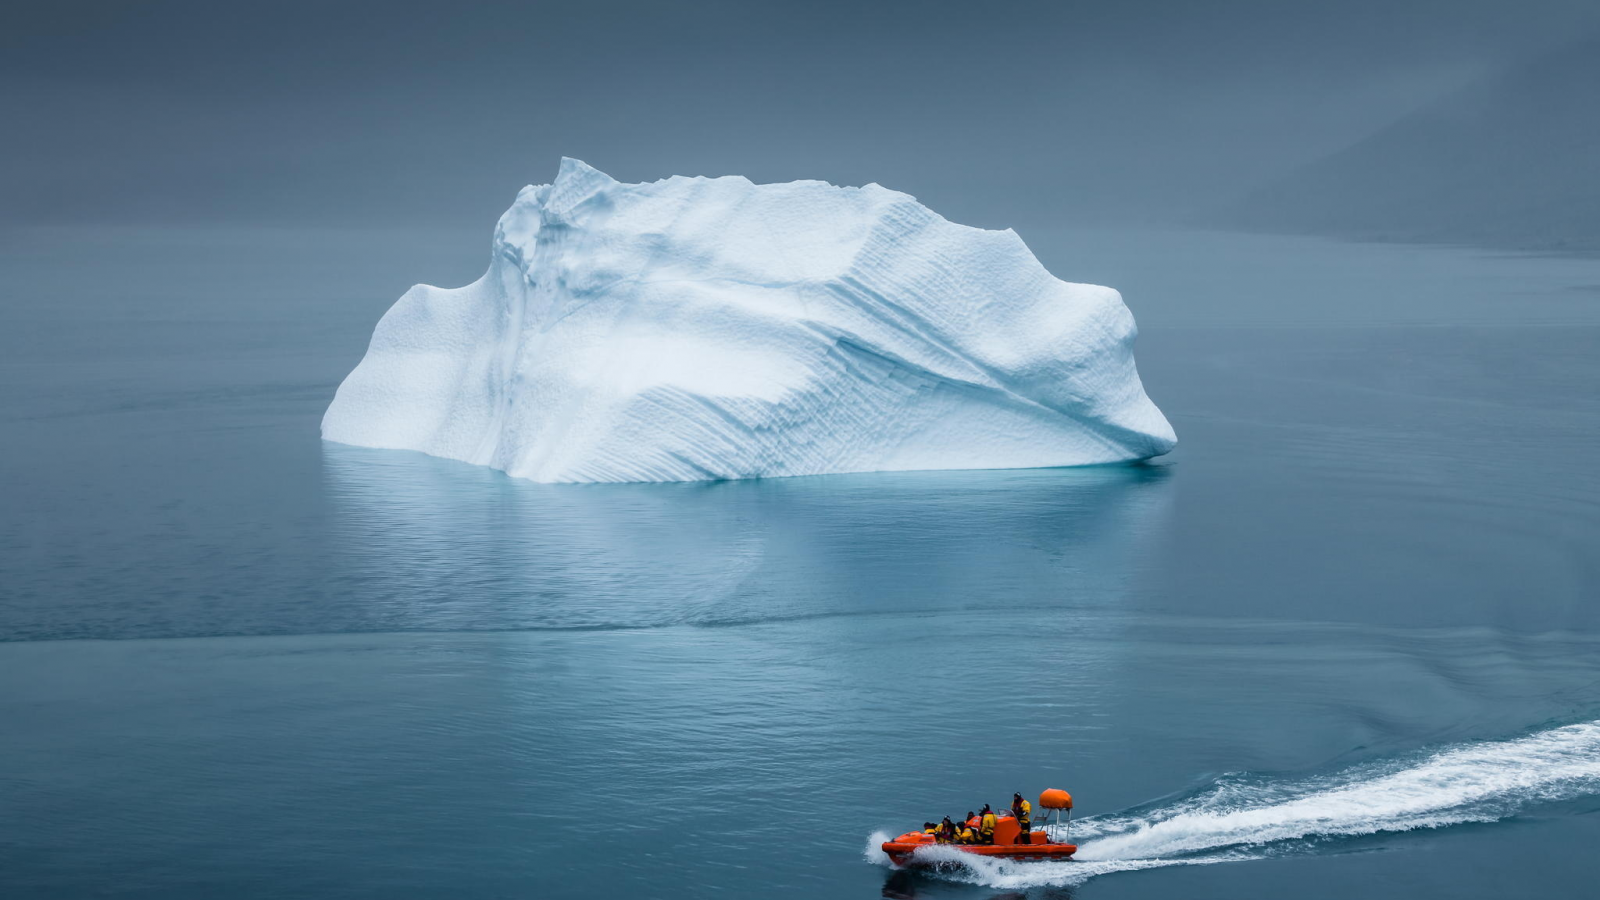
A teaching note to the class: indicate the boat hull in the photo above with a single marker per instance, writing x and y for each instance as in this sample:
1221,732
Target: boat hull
903,853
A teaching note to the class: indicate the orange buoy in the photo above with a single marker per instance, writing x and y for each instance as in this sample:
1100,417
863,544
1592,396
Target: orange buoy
1055,798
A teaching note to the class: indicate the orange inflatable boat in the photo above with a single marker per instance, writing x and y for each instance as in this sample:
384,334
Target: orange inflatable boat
1009,840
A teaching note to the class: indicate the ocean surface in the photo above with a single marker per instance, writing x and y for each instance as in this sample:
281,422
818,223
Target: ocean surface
1345,641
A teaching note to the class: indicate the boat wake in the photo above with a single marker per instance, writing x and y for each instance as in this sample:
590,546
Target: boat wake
1243,817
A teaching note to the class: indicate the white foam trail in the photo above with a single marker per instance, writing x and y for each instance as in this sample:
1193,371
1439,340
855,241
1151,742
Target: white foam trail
1243,819
1012,875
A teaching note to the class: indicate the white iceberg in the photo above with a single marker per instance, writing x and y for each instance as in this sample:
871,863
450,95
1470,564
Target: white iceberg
710,328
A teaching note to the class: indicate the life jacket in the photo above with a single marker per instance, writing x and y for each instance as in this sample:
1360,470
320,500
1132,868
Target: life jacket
988,823
1024,812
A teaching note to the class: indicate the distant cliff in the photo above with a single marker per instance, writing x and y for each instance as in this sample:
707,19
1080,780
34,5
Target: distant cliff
1512,161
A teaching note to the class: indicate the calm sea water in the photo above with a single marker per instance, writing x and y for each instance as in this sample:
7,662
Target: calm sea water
1346,640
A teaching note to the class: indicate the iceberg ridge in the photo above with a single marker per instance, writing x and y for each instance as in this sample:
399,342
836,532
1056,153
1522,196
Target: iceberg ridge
712,328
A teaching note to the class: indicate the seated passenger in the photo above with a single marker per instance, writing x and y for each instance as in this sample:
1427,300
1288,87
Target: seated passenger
966,836
986,825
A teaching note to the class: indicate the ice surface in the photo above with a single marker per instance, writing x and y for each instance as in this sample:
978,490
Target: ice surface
704,328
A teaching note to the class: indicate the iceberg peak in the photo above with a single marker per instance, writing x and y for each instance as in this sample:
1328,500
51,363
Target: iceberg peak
576,183
707,328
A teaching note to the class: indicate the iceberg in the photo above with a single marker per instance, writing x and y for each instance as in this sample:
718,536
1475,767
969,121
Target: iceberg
712,328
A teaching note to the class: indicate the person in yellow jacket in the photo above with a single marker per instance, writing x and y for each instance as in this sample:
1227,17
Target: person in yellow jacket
965,836
986,824
1023,810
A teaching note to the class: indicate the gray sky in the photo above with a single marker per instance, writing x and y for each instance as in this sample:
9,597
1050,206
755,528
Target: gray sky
993,113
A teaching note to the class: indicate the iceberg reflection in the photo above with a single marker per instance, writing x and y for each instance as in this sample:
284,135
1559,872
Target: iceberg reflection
436,544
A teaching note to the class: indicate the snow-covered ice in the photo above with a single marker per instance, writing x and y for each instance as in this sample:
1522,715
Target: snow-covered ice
703,328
